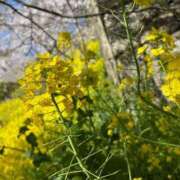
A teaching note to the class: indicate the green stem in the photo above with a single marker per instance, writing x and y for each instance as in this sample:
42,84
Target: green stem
127,161
87,172
77,158
129,36
57,107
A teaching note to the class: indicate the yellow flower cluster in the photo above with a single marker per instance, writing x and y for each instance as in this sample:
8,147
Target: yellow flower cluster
123,119
93,46
163,126
171,85
154,163
31,122
64,40
11,120
160,37
125,83
66,77
145,149
160,47
158,44
158,41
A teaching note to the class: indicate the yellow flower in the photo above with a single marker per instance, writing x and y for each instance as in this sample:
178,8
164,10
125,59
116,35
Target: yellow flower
114,123
168,39
145,148
162,38
97,65
93,46
154,163
126,82
168,159
144,2
167,108
130,125
177,151
78,63
110,132
157,51
64,40
162,125
139,178
171,86
152,35
44,56
142,49
149,63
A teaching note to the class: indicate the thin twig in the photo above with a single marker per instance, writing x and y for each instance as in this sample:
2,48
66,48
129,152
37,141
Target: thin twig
55,13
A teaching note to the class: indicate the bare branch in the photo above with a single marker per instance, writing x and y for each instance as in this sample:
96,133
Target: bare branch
61,15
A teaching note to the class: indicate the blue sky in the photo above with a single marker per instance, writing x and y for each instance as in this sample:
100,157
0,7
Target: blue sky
14,3
5,33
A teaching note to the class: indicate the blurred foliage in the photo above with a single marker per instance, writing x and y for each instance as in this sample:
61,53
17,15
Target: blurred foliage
7,89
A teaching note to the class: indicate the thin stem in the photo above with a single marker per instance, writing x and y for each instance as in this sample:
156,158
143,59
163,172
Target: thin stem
127,161
75,164
87,172
157,142
68,172
57,107
129,36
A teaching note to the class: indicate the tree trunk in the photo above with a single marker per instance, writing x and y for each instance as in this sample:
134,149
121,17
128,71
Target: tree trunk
99,31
